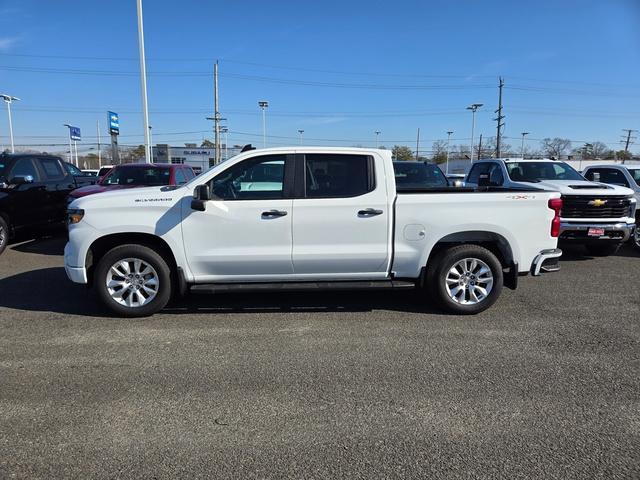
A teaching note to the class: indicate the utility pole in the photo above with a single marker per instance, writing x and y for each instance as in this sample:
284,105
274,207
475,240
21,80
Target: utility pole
99,151
418,145
448,141
522,147
216,113
143,84
499,118
628,141
480,148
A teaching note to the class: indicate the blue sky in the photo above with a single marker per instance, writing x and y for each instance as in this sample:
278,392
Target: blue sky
340,70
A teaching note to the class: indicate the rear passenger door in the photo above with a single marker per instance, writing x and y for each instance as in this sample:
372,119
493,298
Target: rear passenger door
341,221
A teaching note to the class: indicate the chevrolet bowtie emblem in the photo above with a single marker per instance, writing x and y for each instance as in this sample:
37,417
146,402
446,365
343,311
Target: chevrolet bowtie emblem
597,202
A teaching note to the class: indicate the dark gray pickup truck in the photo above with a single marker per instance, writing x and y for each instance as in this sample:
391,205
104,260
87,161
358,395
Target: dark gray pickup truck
33,192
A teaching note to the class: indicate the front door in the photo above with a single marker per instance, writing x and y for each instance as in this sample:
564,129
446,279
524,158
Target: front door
244,234
29,200
341,223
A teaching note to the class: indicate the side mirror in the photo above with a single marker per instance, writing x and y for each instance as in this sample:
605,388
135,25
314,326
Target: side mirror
201,195
596,177
483,180
21,180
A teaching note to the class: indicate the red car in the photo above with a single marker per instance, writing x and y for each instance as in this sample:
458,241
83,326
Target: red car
136,175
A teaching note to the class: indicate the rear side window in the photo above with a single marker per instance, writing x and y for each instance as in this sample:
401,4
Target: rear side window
607,175
51,168
73,170
331,176
180,179
24,167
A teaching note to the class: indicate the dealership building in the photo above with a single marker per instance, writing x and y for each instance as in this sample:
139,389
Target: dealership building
198,158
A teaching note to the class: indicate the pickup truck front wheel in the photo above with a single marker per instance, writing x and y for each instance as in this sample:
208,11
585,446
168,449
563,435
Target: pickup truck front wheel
133,281
467,279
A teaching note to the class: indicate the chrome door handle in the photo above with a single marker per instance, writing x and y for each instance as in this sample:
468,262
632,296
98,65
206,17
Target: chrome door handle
369,212
273,214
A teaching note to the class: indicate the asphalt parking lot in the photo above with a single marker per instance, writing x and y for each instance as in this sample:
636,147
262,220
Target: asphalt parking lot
546,384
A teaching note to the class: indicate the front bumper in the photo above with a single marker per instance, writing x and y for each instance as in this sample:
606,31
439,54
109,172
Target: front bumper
578,232
546,261
75,274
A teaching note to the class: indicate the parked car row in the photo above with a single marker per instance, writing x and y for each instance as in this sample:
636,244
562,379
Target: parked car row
35,189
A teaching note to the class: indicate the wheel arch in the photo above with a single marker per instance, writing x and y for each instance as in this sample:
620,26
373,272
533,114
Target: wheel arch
492,241
102,245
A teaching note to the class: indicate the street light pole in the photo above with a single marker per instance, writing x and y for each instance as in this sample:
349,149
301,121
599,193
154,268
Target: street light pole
300,132
448,140
473,107
263,104
377,132
522,147
143,84
8,99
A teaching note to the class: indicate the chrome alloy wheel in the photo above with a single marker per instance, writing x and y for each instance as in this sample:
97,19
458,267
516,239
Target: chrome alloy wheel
3,235
636,236
132,282
469,281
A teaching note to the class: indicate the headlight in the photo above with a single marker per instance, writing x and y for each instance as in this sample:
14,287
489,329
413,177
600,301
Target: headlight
74,215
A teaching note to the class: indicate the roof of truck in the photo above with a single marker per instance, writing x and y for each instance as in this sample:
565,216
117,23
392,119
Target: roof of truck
519,160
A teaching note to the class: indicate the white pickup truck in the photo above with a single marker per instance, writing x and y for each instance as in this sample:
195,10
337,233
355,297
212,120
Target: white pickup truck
309,218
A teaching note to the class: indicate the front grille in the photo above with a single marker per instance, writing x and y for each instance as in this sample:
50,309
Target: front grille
574,206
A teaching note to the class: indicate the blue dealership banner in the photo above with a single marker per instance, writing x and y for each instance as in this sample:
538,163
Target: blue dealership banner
74,133
114,123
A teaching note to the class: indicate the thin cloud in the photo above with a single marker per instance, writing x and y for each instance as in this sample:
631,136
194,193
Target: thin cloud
7,42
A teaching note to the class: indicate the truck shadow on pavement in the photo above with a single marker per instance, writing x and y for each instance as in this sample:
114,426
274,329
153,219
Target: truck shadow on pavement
49,290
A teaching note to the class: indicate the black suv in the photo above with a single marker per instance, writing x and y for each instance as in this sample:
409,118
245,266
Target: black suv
33,192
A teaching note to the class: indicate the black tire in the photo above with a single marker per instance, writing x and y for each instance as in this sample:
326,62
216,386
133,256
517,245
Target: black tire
147,256
635,238
602,249
444,264
4,234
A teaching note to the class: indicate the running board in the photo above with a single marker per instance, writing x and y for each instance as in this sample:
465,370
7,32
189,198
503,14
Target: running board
300,286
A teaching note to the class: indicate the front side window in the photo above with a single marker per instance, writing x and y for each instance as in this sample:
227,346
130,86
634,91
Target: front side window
73,170
418,175
22,168
541,171
635,173
254,179
149,176
330,176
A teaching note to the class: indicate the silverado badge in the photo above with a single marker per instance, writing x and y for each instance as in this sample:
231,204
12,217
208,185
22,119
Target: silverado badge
597,202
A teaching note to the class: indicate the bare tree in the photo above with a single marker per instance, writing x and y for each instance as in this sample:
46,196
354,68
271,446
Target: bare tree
439,151
401,152
555,147
600,150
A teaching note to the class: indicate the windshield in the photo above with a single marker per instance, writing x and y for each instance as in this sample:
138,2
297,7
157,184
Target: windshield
540,171
635,174
418,175
138,176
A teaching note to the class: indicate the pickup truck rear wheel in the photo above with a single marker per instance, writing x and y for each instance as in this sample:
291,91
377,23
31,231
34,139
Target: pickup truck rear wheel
133,281
636,236
4,234
467,279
